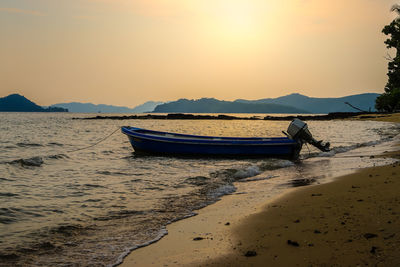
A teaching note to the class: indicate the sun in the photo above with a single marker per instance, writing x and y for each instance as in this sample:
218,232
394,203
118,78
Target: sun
238,19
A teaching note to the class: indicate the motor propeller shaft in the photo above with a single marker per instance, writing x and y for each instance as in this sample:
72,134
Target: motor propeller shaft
298,130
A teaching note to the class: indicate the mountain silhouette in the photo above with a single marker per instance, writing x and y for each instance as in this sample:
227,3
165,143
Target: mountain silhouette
93,108
19,103
365,102
293,103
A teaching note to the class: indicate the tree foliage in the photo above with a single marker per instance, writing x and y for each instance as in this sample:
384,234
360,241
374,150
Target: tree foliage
389,101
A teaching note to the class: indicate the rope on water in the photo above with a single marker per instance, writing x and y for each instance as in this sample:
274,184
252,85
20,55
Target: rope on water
309,152
98,142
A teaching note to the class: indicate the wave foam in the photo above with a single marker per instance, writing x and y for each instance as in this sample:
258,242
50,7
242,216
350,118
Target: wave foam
343,149
222,190
163,232
248,172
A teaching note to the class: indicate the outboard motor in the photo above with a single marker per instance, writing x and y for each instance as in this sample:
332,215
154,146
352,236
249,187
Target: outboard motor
298,130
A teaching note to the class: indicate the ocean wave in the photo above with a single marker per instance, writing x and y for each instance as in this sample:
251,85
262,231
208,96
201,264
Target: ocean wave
8,215
343,149
197,180
274,164
223,173
7,257
58,156
45,240
7,194
112,215
30,162
261,178
221,191
36,161
94,186
163,232
93,200
6,179
248,172
113,173
252,170
28,144
54,144
67,229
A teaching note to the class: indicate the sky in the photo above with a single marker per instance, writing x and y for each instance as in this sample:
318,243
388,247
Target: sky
126,52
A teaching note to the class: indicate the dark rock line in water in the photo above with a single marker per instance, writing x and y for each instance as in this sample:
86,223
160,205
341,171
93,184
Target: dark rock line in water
181,116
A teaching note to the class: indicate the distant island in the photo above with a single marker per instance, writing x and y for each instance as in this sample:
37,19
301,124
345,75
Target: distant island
211,105
19,103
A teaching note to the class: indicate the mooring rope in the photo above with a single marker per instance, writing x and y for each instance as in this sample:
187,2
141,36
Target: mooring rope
39,159
95,144
309,152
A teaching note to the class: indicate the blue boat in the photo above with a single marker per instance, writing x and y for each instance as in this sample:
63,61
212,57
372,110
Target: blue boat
165,143
182,144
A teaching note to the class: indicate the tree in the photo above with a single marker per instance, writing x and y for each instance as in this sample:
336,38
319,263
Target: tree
389,101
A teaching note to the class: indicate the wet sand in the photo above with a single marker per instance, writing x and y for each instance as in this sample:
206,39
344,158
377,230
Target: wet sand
354,220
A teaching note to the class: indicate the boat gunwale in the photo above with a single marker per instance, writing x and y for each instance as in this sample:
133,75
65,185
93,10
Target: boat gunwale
207,140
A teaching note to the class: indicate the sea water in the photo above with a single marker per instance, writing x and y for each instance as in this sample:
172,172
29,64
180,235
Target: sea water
93,206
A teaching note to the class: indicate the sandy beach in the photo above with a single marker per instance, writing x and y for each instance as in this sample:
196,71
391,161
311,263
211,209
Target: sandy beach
354,220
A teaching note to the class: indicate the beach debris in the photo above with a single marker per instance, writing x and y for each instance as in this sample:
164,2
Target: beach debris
302,182
250,253
316,195
358,109
297,221
228,223
373,249
293,243
317,231
388,237
198,238
370,235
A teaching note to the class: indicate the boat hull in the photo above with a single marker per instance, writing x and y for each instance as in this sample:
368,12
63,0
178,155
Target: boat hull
163,143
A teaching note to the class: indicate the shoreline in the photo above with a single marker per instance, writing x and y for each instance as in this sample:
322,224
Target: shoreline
242,230
188,116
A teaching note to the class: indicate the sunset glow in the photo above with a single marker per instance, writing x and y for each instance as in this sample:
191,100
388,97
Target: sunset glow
126,52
